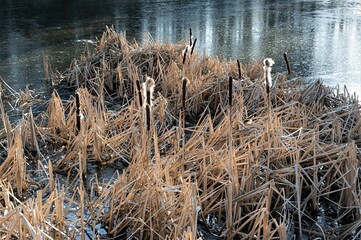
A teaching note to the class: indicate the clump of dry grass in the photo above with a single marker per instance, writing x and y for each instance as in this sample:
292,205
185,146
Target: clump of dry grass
13,169
213,153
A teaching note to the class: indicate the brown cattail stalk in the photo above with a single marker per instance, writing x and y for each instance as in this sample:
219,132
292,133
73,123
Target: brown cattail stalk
190,37
239,69
185,82
184,92
194,43
230,91
185,55
231,170
148,97
78,116
139,94
287,63
147,114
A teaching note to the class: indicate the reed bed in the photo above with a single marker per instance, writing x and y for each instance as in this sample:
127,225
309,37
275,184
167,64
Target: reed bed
209,152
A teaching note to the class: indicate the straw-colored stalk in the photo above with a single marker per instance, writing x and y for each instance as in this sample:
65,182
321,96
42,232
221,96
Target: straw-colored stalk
56,121
5,120
13,169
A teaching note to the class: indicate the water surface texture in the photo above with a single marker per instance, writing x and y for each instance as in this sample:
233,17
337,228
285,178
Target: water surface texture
322,38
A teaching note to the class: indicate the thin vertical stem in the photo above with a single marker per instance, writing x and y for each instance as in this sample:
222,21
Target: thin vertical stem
183,112
230,165
298,193
269,124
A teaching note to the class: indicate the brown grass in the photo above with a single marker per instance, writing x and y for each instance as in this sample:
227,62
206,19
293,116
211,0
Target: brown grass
257,168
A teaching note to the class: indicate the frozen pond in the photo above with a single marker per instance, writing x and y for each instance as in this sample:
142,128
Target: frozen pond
322,38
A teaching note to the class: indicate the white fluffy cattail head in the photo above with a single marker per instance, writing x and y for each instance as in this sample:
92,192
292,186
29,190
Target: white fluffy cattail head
150,87
184,50
189,48
267,67
187,81
144,93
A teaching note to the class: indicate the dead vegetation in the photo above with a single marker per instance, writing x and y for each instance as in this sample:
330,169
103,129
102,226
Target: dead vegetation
203,162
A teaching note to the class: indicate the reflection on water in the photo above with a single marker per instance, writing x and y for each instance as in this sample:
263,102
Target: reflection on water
322,38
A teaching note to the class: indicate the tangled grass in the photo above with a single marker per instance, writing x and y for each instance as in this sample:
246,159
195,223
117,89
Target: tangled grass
202,161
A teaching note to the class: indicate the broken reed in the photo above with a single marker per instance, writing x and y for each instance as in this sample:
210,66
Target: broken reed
139,93
224,186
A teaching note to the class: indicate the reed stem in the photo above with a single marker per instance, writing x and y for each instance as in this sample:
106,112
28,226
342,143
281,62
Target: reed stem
183,112
139,93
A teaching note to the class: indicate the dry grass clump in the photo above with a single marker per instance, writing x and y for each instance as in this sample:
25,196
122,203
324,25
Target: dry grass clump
203,161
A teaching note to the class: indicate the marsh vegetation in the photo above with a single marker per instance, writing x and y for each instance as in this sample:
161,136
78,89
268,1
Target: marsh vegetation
189,156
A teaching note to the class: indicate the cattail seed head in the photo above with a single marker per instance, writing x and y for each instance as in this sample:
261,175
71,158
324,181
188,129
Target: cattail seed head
194,43
184,53
287,63
150,83
139,93
190,37
78,114
239,69
144,93
185,82
230,88
267,67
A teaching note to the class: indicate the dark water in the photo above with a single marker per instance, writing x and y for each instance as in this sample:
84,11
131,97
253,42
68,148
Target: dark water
322,38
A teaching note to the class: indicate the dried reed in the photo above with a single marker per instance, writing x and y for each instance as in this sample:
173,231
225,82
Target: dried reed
251,167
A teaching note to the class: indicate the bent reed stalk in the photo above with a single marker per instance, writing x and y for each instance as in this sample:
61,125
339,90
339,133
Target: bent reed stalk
243,175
